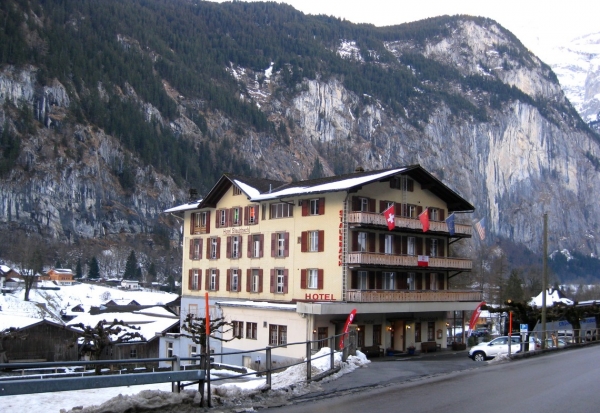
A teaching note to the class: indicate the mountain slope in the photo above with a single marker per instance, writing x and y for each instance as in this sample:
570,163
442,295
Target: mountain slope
108,120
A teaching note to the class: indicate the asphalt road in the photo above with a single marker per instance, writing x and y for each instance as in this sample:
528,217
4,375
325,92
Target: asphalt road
560,381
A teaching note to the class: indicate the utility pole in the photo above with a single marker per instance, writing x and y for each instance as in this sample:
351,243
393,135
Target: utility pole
544,278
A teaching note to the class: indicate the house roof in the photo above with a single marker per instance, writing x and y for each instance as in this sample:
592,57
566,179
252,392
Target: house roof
257,189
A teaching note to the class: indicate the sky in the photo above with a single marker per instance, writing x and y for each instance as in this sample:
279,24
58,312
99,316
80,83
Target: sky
539,24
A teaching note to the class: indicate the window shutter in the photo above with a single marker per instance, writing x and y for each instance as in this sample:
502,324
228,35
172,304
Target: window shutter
199,279
285,281
371,242
419,245
201,240
192,223
354,241
304,241
208,242
191,249
354,280
410,185
273,281
303,283
250,246
207,281
305,203
441,214
371,205
190,279
402,281
427,246
240,240
262,244
228,249
260,280
273,244
218,219
286,242
355,203
321,241
228,280
242,216
246,214
441,248
419,210
218,247
248,280
397,245
321,206
404,245
427,281
218,278
320,279
381,243
208,222
382,206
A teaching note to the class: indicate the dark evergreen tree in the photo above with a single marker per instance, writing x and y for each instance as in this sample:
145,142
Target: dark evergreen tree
317,170
130,267
78,269
93,269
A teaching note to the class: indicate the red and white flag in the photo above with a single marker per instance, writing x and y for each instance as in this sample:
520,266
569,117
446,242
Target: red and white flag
423,260
424,218
475,316
390,217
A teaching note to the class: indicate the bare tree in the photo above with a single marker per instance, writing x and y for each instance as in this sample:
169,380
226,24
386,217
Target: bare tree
195,328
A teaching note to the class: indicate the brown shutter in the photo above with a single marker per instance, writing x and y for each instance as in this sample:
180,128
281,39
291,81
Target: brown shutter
382,205
303,279
250,246
218,279
273,244
218,219
381,243
320,279
304,241
191,249
248,280
321,241
354,280
261,238
192,223
427,281
285,281
199,279
355,203
272,280
207,280
228,249
260,280
354,241
404,245
286,241
397,244
442,248
427,246
208,222
208,248
402,281
228,280
190,278
201,241
241,241
371,242
441,214
242,216
371,205
218,247
321,206
305,203
246,214
419,245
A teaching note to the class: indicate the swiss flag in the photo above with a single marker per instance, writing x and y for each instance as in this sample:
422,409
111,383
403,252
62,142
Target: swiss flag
390,217
424,218
423,260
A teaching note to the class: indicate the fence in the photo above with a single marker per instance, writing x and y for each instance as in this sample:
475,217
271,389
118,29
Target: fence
48,378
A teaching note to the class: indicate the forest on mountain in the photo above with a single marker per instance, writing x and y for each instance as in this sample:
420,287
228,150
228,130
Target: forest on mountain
133,69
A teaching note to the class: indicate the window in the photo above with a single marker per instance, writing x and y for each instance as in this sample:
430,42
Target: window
277,335
200,222
431,331
214,245
311,278
237,190
433,281
251,331
360,336
389,244
362,241
255,245
193,353
222,218
377,335
193,309
282,210
280,244
254,280
410,246
363,204
322,335
433,247
133,353
314,206
402,183
417,332
363,280
389,281
169,349
194,281
236,216
234,247
409,211
238,329
213,280
196,249
312,241
233,280
251,215
412,281
279,281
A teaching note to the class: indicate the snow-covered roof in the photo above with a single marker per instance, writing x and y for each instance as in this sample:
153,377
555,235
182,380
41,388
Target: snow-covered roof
10,320
552,297
184,207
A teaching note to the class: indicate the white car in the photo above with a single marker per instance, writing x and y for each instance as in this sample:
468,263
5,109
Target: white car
491,349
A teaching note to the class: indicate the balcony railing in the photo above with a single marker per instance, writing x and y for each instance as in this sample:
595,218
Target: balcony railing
371,258
405,296
369,218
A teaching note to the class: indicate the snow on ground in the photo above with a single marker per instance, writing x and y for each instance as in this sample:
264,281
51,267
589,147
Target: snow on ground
243,394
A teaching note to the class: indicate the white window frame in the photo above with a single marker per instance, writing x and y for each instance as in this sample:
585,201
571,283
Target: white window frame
281,244
236,215
282,210
222,217
389,244
389,280
313,241
212,285
433,281
411,281
213,248
312,278
313,208
363,280
433,248
235,246
195,277
279,280
196,248
255,246
362,241
255,280
410,245
364,204
252,217
234,283
170,348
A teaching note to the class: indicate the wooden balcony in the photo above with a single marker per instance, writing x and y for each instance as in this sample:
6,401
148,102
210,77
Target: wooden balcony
371,258
368,218
406,296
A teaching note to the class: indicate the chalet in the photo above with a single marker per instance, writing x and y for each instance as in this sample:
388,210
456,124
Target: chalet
130,285
287,262
59,276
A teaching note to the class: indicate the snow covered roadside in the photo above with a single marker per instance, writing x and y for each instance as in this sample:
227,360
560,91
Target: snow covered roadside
225,397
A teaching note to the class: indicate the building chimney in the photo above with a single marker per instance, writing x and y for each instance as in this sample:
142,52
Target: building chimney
193,194
359,169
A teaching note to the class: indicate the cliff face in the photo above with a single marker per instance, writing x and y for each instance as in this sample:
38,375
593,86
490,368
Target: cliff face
514,157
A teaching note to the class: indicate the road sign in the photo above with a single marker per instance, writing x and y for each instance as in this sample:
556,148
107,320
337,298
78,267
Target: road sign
524,328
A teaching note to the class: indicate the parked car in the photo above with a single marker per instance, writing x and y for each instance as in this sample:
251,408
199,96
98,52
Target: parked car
487,350
480,332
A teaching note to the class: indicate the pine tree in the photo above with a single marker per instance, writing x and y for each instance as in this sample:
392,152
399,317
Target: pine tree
130,267
94,269
78,270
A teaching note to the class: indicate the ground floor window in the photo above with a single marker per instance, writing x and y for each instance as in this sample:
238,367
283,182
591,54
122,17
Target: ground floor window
238,328
277,335
377,335
133,353
251,331
322,334
431,331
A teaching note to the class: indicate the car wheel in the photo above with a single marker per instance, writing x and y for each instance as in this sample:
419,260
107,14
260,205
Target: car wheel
479,356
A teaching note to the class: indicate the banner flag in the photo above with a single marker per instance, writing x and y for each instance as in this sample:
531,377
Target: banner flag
424,218
423,260
480,228
475,316
346,327
390,217
450,223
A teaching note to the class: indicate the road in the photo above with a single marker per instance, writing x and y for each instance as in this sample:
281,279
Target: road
560,381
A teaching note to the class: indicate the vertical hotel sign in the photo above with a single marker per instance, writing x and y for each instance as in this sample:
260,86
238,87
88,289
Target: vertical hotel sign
340,238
